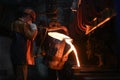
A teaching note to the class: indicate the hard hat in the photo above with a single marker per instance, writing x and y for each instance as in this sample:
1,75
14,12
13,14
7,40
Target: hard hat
30,12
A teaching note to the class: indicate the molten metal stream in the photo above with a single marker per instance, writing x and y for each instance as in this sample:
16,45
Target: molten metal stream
68,40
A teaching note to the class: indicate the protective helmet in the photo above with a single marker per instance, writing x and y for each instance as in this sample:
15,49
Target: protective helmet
30,12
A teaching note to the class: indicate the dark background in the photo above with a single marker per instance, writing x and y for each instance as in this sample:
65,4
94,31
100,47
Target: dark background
103,42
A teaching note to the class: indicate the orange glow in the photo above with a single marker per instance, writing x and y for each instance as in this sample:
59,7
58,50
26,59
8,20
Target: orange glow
68,40
98,25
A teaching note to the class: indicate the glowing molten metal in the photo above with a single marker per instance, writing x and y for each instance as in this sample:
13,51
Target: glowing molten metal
68,40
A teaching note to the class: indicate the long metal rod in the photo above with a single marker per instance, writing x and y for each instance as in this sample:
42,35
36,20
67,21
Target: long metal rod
99,24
